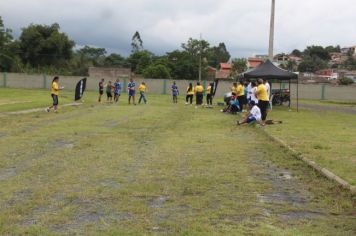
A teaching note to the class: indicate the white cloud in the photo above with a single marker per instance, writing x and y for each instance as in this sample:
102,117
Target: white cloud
165,24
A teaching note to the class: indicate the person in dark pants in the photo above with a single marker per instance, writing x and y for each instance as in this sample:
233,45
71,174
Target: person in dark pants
209,95
263,100
241,95
190,94
199,94
54,94
101,89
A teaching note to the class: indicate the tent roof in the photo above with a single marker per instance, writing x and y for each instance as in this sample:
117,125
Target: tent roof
268,70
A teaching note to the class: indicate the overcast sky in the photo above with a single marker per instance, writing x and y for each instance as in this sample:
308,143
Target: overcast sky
243,25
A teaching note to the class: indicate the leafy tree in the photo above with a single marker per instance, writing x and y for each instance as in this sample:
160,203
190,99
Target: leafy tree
297,53
139,60
136,44
239,65
346,81
217,55
350,63
44,45
312,64
182,65
317,51
114,60
196,47
331,49
158,71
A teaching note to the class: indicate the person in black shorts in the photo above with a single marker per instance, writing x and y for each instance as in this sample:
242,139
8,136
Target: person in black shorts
109,89
101,89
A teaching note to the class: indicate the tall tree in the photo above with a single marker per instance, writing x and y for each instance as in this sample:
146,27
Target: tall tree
136,42
9,49
239,65
217,55
44,45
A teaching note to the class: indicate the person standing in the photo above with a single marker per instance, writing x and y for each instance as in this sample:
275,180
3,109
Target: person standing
268,87
199,94
142,90
190,94
209,95
234,88
101,89
253,93
54,94
109,88
263,99
241,95
175,92
117,91
131,91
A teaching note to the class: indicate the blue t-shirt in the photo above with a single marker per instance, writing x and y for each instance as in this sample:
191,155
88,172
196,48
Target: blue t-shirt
131,86
175,91
117,86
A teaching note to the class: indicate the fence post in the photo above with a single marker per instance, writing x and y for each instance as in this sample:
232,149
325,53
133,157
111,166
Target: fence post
164,86
125,85
204,86
44,81
323,92
5,78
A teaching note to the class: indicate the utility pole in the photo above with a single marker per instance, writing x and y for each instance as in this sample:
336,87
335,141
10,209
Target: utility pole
200,58
271,32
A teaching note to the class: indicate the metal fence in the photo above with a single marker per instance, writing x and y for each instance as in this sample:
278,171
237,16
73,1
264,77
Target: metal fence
163,86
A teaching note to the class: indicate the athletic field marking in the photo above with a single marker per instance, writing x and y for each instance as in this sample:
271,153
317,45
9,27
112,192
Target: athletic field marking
37,109
15,102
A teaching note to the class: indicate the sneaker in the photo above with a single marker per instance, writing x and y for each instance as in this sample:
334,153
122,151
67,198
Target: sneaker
47,109
186,103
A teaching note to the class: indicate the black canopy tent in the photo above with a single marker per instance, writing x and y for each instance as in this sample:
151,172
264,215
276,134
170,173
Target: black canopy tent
268,70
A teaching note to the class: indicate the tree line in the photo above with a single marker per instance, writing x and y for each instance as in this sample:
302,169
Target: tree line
45,49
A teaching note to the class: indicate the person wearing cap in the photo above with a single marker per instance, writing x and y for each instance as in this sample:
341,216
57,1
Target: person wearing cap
253,115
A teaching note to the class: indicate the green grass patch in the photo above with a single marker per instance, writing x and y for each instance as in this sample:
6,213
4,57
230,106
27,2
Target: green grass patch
157,169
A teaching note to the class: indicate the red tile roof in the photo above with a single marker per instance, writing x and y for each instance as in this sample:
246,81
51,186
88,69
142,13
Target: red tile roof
225,66
222,74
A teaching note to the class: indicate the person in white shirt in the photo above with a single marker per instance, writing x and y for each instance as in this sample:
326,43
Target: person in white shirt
253,90
249,87
253,115
268,87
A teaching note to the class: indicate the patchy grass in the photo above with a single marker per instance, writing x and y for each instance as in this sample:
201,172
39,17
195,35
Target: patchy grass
157,169
326,137
327,102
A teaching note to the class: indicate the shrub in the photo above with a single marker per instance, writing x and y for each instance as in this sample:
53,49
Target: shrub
346,81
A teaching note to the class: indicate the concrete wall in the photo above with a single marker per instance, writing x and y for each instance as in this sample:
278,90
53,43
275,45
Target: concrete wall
160,86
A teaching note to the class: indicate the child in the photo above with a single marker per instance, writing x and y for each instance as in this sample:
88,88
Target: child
109,88
199,94
54,93
209,95
190,94
131,91
117,92
175,92
142,89
101,89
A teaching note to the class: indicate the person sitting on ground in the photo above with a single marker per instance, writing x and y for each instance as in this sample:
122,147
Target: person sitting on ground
233,106
253,115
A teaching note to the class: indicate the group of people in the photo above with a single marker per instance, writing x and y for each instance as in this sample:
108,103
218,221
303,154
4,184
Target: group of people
198,91
117,88
253,96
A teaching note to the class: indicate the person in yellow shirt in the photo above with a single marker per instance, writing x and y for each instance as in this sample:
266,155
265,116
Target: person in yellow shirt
263,100
234,88
190,94
142,90
241,95
209,95
54,93
199,93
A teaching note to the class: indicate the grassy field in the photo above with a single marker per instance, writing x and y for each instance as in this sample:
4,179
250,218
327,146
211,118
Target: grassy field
156,169
329,138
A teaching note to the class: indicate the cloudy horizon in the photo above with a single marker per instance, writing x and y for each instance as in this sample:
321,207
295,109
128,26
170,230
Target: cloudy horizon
164,25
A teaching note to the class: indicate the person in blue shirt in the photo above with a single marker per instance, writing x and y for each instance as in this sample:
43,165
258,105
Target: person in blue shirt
175,92
117,90
131,91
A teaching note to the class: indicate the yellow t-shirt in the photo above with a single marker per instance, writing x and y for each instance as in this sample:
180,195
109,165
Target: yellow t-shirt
142,88
240,90
234,89
208,90
199,89
55,88
261,93
191,92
